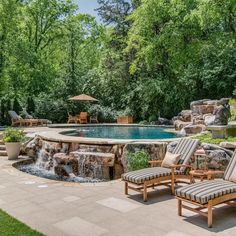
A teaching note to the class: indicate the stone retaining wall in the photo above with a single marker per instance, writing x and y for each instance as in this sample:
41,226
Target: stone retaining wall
107,161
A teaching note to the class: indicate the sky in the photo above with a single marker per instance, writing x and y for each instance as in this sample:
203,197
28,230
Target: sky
88,6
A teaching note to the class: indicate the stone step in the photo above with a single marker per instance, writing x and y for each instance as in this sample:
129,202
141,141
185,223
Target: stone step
3,153
1,142
2,147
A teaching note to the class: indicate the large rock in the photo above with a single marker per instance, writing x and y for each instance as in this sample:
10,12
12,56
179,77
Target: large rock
230,145
156,150
209,119
218,157
171,146
194,129
199,102
224,101
179,124
203,109
222,115
186,115
163,121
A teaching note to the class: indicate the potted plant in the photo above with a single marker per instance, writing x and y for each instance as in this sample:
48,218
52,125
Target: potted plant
12,139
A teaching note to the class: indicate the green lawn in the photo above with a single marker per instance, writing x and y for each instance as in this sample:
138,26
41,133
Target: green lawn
207,138
9,226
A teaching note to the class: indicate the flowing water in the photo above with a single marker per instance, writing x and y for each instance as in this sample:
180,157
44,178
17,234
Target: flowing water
44,167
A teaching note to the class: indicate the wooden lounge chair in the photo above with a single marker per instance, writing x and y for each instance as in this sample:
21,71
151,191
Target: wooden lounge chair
41,121
93,119
141,180
207,194
18,120
72,119
83,118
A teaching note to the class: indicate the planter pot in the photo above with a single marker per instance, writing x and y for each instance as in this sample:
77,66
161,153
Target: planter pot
13,150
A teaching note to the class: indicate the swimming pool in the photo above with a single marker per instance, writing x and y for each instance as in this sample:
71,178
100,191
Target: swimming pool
122,132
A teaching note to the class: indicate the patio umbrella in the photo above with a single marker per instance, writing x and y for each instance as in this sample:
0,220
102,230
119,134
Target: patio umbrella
83,97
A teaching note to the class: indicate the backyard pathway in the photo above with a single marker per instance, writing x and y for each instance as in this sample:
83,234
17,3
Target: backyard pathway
70,209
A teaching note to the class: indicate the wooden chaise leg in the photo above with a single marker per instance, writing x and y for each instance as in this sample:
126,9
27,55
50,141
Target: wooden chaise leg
145,192
209,214
126,188
179,207
173,182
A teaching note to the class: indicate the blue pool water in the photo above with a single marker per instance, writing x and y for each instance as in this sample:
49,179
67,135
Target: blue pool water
122,132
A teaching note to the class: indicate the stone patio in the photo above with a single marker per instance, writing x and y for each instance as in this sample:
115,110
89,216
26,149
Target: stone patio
70,209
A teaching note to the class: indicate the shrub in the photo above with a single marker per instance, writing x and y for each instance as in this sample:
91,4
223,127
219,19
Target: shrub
138,160
50,108
13,135
152,118
144,122
16,106
104,114
30,106
5,107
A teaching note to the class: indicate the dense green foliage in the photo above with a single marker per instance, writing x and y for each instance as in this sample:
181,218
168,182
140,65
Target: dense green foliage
207,138
11,135
149,58
138,160
10,226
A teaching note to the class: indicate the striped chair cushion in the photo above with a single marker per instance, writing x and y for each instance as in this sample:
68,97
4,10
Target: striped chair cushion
139,176
202,192
230,168
186,147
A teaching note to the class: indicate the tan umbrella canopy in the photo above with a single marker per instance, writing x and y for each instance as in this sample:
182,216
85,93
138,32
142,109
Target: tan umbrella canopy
83,97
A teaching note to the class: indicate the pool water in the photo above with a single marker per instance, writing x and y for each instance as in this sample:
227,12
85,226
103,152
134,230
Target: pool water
122,132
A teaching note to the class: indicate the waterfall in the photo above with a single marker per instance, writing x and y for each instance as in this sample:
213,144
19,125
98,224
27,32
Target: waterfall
89,168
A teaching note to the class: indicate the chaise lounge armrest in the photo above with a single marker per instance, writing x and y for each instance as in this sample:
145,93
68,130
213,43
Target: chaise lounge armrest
152,163
174,167
216,173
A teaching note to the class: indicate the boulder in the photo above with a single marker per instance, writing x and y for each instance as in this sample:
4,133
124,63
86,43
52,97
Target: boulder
212,102
224,101
186,115
230,145
62,161
208,146
199,102
60,171
209,119
171,146
194,129
222,115
164,121
217,159
179,124
203,109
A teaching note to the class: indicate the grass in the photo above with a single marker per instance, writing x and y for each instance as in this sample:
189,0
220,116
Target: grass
207,138
9,226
